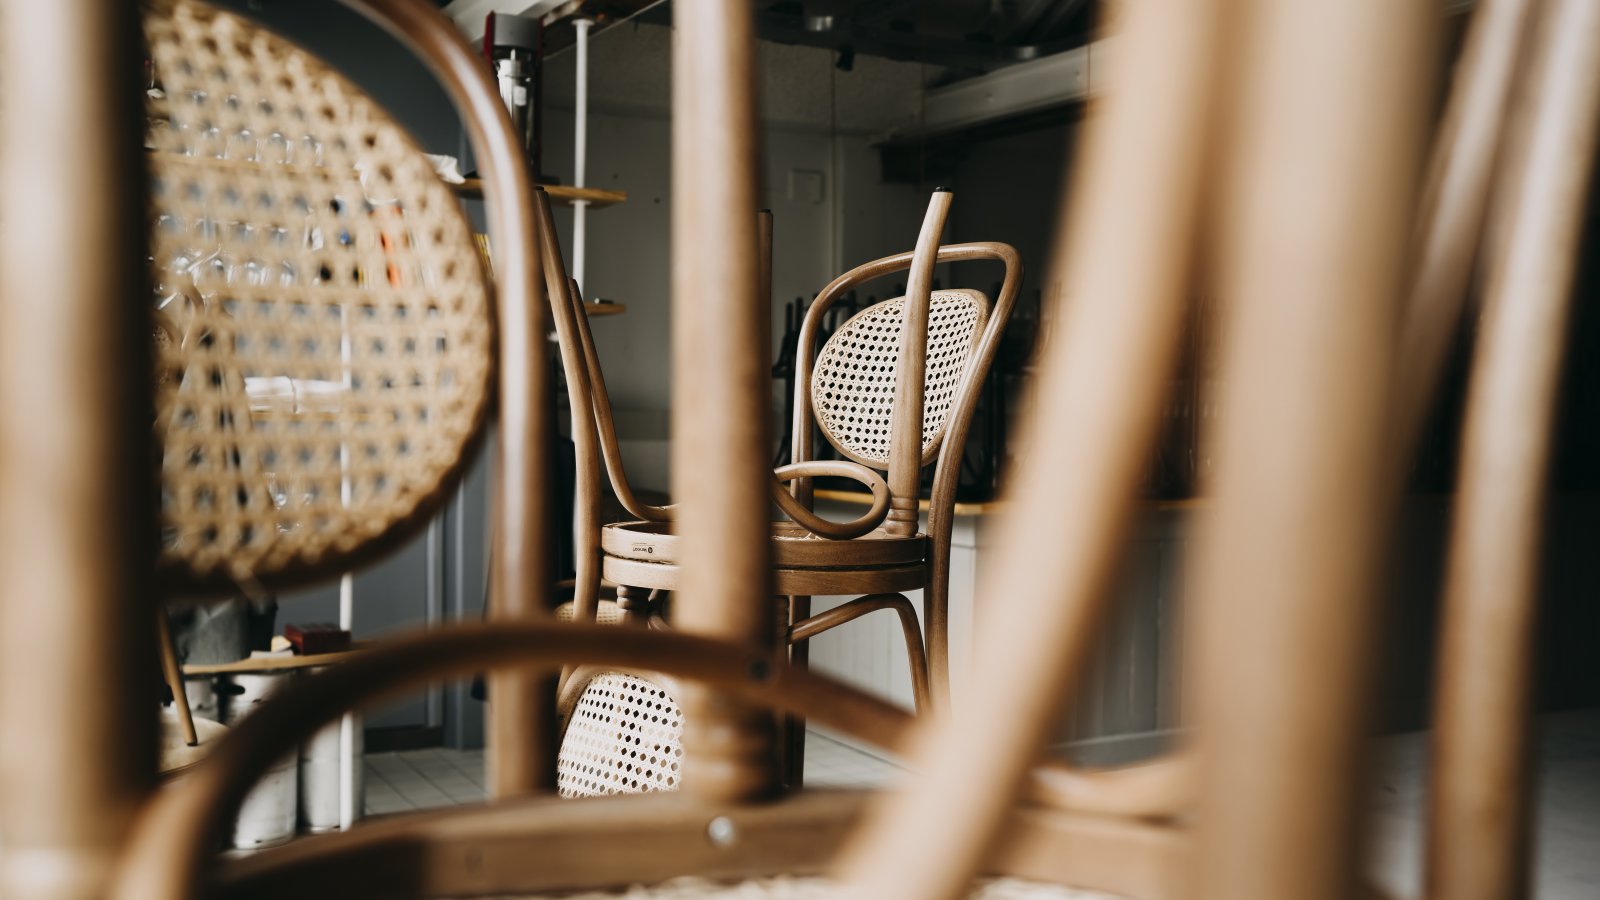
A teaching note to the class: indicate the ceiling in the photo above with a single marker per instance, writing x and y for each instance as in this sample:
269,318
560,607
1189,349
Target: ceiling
963,36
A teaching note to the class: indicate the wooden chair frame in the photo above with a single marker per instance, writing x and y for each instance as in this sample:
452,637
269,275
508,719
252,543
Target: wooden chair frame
1269,825
595,439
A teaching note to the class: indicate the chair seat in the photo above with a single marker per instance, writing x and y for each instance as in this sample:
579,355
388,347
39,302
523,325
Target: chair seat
176,754
811,888
645,554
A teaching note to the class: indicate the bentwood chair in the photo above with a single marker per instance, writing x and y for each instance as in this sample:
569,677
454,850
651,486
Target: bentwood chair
910,365
893,390
1264,806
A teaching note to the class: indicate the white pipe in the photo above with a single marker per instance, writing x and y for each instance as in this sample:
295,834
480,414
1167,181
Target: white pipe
347,725
347,598
580,153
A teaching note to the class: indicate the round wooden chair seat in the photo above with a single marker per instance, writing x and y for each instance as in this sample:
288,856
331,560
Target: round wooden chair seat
645,554
176,754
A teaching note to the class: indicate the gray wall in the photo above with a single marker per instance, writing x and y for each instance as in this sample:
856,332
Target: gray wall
818,125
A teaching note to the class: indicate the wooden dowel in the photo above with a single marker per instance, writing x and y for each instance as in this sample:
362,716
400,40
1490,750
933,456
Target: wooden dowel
905,428
174,677
565,310
720,388
947,477
1478,841
1454,200
77,523
1321,165
1125,260
175,840
520,725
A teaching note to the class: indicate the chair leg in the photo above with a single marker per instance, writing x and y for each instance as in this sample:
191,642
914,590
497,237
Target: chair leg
174,677
855,609
795,726
637,604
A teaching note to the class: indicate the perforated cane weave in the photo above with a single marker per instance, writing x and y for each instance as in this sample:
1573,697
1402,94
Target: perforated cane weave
324,327
853,386
625,737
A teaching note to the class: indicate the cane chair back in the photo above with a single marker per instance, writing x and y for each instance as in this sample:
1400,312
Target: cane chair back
324,339
853,384
623,736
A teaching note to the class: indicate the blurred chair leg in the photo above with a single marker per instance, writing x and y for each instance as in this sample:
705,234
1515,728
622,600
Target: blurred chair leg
910,630
174,676
77,741
1479,821
795,726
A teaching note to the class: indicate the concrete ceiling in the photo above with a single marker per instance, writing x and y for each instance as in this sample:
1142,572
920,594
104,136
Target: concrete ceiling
630,73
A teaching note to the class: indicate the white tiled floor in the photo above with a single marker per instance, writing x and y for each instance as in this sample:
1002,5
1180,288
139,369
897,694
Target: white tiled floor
1566,868
424,779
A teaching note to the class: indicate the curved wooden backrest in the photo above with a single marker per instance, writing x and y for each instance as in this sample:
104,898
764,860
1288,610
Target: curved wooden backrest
855,409
325,334
1481,797
1277,774
951,439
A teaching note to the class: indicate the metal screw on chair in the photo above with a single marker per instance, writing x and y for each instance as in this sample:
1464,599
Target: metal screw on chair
722,832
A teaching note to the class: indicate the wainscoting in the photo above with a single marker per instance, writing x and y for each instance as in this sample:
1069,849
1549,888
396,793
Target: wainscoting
1131,700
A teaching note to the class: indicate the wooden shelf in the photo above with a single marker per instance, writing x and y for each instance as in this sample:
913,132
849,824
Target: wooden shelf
861,498
596,310
278,663
560,194
988,507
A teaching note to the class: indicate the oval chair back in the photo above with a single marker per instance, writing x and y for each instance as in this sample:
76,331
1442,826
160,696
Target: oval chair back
852,389
324,324
852,382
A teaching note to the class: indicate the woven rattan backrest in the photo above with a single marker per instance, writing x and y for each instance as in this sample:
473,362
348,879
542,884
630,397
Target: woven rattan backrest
853,385
325,334
624,736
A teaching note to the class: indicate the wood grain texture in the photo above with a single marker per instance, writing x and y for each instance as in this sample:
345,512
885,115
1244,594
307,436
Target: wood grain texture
540,846
566,308
1322,164
1455,199
77,518
172,842
1479,841
1134,200
720,386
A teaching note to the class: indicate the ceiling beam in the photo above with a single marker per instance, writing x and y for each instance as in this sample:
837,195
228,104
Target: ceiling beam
470,14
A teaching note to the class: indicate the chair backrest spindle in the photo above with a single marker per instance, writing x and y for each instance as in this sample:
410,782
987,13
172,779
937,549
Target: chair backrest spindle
905,435
1480,808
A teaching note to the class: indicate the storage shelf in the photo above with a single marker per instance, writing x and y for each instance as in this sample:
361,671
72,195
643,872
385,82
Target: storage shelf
861,498
560,194
278,663
987,507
